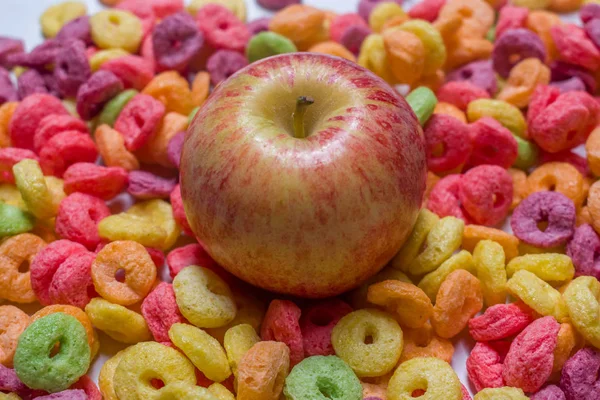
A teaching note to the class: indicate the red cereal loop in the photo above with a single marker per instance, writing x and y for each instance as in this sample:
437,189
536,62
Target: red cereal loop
316,325
191,254
444,198
10,156
179,212
54,124
138,120
281,325
86,384
575,47
426,9
157,256
221,28
500,321
95,180
66,149
72,283
460,93
486,193
78,218
340,23
46,263
511,17
135,72
493,144
484,364
141,9
164,8
26,118
447,143
160,311
528,363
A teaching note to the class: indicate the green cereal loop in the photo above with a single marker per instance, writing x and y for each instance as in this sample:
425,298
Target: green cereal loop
112,109
267,44
528,154
33,363
13,220
192,115
422,101
322,378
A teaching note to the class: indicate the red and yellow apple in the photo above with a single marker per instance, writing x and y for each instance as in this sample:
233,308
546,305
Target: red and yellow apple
308,200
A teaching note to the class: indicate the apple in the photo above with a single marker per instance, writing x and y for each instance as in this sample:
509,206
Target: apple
303,174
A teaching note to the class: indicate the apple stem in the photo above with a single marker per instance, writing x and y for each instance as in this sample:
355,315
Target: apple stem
302,104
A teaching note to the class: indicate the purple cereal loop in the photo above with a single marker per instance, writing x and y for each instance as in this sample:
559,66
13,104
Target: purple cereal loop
224,63
275,5
145,185
30,82
583,249
7,89
589,11
176,40
72,68
579,376
175,147
550,392
39,58
479,73
520,42
561,70
69,394
573,84
258,25
9,46
592,29
554,207
9,381
93,94
354,36
365,7
78,28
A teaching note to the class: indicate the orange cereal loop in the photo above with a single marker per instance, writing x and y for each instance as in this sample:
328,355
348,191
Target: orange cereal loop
200,88
81,317
423,342
522,81
433,81
463,50
16,254
477,16
111,146
123,257
6,112
173,91
593,205
262,371
540,22
110,3
333,49
583,216
567,339
155,149
373,390
565,6
406,54
303,25
520,189
13,322
560,177
432,179
592,148
395,21
451,110
406,302
473,234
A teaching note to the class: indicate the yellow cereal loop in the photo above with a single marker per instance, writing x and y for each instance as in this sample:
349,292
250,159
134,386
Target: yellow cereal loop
538,295
146,361
443,239
150,223
118,322
550,267
382,13
250,311
238,340
503,393
55,17
220,392
508,115
426,220
358,297
9,396
369,341
489,261
373,56
203,350
9,194
102,56
435,50
581,297
238,7
56,188
183,391
34,189
116,29
107,374
431,282
203,297
431,374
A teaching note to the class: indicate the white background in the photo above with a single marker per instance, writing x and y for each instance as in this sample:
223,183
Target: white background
19,18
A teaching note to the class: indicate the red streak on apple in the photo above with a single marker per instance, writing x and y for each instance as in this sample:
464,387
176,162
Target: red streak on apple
312,216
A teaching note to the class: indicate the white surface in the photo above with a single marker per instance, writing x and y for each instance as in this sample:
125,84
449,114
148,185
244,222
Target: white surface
19,18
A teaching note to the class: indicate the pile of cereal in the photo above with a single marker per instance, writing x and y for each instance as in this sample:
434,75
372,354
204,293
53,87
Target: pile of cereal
504,93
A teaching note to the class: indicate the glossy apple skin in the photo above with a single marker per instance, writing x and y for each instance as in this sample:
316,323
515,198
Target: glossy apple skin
310,217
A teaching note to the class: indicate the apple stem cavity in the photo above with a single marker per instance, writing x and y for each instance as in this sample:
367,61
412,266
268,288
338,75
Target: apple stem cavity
302,104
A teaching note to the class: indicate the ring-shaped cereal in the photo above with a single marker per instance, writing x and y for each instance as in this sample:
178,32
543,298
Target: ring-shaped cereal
489,261
435,50
203,297
508,115
107,375
503,393
431,282
582,302
146,361
426,373
116,29
538,295
118,322
15,252
549,267
426,220
237,341
560,177
13,322
477,16
36,194
322,377
368,340
408,303
172,90
55,17
262,371
35,365
132,259
183,391
423,342
473,234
